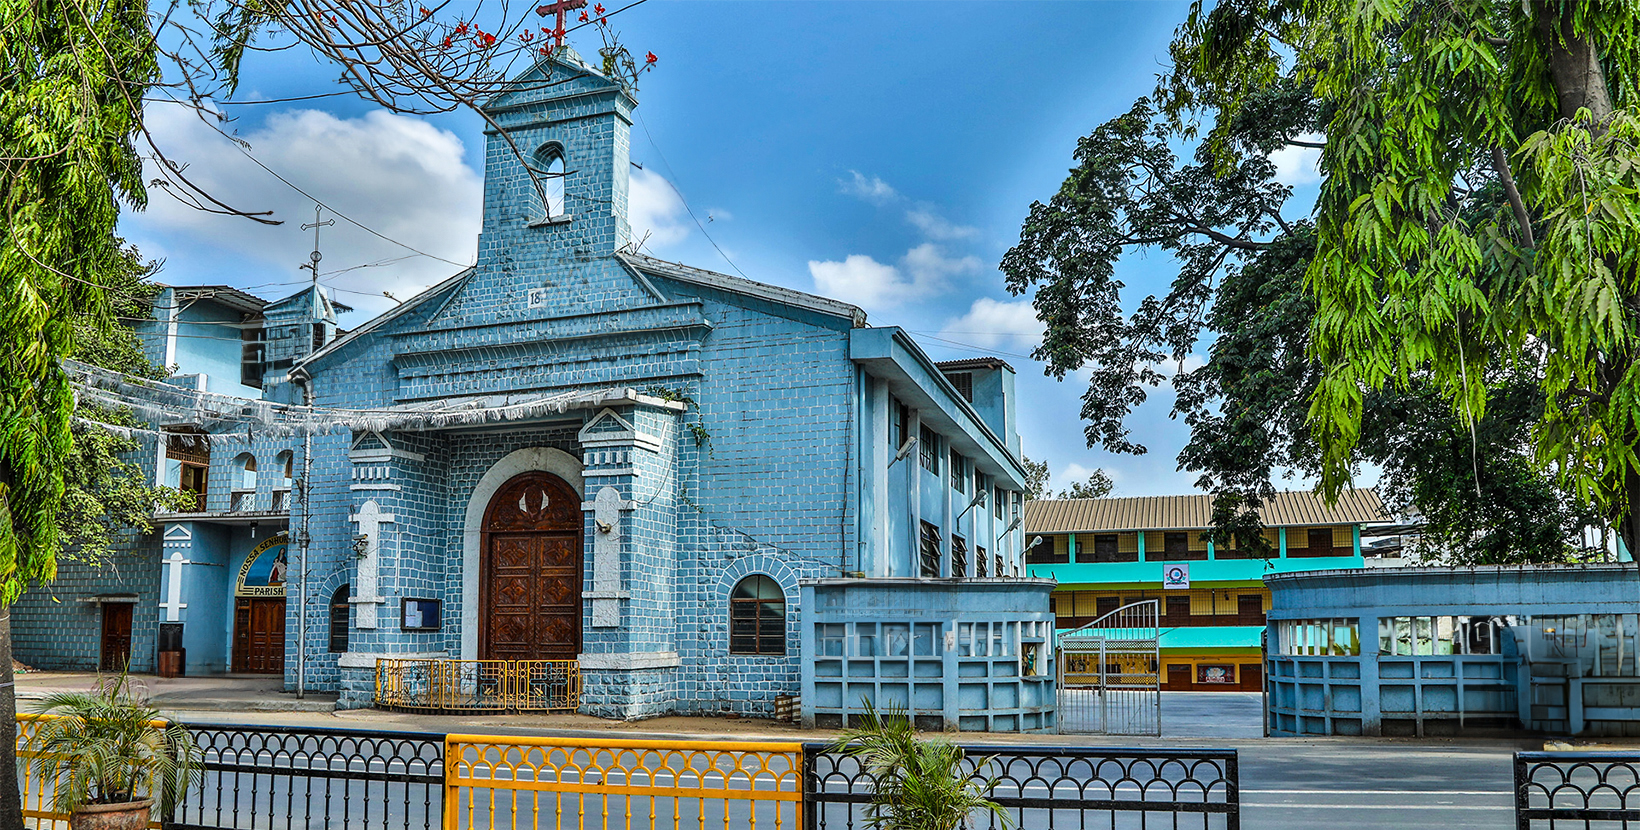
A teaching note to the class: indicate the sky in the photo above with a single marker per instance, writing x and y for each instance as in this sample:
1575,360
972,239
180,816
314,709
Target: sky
881,153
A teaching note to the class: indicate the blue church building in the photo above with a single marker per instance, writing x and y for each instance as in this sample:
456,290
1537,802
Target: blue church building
708,492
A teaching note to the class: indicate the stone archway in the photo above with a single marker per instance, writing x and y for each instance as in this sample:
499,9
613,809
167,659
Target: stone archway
530,570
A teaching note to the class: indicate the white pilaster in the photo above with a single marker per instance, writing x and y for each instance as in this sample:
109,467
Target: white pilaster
367,573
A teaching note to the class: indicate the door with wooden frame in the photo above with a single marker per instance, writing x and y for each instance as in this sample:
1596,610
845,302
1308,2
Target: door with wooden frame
116,636
530,581
1179,679
259,635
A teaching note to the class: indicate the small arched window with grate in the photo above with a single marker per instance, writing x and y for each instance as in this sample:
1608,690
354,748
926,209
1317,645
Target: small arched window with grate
757,617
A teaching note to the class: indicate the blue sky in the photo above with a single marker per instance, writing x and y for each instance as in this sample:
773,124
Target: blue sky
883,153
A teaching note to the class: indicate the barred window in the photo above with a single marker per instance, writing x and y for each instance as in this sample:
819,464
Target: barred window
959,556
929,551
928,450
959,479
338,619
757,617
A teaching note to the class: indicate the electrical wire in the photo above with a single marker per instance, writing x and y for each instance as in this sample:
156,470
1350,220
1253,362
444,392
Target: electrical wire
671,174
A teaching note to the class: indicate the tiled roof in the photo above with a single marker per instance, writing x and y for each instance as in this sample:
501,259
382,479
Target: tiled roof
965,363
1288,509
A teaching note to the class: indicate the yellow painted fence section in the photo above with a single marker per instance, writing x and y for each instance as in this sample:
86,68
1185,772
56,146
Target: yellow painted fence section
441,685
37,810
493,781
522,782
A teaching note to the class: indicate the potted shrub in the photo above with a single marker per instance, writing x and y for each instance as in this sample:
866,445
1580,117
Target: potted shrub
107,756
919,785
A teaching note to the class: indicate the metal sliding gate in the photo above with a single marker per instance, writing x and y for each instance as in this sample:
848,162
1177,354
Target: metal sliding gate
1110,674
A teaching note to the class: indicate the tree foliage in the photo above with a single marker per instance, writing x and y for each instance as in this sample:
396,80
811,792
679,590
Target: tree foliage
1425,105
1240,295
1097,486
105,494
1036,478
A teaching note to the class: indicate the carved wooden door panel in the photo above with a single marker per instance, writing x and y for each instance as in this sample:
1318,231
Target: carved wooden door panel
531,604
259,635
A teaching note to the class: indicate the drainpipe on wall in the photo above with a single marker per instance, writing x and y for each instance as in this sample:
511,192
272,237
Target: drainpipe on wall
301,379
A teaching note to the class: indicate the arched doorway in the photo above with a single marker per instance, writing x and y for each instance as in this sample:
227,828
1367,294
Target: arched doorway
530,584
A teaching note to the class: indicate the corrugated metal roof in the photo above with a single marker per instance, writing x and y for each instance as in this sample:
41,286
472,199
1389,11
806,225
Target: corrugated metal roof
1292,508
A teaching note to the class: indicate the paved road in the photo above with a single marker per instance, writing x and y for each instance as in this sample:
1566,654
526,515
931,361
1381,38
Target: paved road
1289,783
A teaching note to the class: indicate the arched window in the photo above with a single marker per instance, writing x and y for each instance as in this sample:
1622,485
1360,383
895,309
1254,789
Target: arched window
244,472
338,619
242,494
549,164
282,464
757,617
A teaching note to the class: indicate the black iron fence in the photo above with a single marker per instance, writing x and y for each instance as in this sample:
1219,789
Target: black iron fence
280,778
275,777
1591,790
1046,787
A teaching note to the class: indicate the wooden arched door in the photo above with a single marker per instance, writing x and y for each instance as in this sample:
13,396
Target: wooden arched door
530,586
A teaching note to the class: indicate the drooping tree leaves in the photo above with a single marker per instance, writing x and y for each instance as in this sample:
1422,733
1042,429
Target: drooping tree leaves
1240,296
1427,103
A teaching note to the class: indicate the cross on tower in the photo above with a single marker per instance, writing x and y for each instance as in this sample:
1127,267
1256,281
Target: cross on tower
559,8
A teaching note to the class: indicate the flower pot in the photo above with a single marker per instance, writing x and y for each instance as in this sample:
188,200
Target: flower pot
129,815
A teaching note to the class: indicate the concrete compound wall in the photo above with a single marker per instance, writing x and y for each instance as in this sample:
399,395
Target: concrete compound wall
1565,663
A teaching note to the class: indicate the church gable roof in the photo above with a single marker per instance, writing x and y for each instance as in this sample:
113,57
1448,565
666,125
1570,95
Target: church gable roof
385,319
564,75
640,264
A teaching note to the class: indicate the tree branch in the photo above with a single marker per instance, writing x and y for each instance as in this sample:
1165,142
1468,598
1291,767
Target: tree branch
1500,163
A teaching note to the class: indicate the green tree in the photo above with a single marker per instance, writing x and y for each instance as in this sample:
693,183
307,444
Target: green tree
105,495
1036,478
1427,104
67,161
1240,295
1097,486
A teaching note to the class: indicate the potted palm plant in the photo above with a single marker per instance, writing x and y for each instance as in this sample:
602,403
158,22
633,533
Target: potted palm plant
106,756
920,784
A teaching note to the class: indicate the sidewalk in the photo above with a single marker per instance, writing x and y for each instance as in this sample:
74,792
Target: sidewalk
225,693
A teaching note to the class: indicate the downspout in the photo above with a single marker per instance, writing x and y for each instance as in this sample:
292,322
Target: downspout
301,378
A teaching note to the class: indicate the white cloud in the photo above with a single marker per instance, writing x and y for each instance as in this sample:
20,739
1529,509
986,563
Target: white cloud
938,227
996,324
400,176
860,280
719,215
1299,165
869,188
653,207
1074,472
928,265
875,286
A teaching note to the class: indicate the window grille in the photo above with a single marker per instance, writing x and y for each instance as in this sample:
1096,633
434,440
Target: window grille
959,556
959,480
339,606
928,450
930,550
757,617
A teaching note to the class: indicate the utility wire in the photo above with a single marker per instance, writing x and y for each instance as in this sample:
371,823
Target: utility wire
239,145
671,174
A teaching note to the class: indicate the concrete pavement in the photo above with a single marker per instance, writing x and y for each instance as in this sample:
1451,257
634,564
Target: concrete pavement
182,695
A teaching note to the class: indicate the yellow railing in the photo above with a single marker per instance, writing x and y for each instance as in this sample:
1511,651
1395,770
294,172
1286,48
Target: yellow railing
584,783
478,685
36,792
